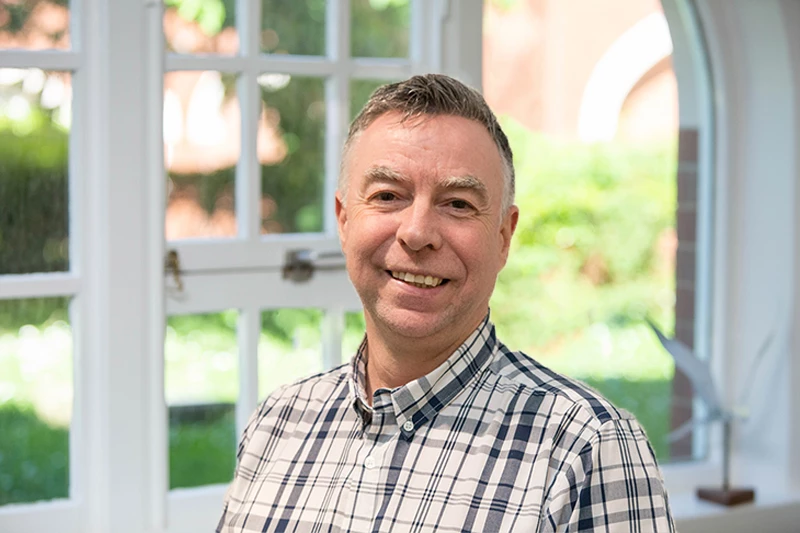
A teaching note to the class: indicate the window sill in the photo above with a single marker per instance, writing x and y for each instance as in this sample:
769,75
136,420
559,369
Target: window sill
771,512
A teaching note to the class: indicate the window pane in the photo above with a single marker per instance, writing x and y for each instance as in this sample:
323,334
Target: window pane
35,399
290,347
35,25
594,254
201,364
202,142
293,27
360,91
207,27
380,28
291,149
35,117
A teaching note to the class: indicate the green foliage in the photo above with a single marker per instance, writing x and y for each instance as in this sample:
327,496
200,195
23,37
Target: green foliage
586,248
202,452
34,219
296,183
295,26
40,312
380,28
210,15
34,457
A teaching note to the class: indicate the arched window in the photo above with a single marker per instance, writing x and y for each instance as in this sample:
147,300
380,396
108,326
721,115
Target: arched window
615,196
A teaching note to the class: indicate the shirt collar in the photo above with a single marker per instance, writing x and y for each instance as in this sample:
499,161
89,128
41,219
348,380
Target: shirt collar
420,400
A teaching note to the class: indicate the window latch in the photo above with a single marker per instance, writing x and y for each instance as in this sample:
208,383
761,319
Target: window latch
172,265
301,264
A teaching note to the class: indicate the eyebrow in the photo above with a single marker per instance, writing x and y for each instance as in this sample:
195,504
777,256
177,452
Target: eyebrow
466,182
384,174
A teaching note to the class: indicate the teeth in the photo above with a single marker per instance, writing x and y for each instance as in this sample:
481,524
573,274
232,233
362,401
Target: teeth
418,281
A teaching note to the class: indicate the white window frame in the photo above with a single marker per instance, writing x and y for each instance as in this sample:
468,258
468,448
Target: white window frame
68,284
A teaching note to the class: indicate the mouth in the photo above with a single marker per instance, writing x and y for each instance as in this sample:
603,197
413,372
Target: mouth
418,280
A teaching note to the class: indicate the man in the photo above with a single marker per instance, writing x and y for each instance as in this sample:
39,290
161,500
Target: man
435,425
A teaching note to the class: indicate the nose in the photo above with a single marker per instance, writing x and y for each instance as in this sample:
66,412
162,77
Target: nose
418,228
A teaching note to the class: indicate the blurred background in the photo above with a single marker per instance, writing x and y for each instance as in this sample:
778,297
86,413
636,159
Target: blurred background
588,97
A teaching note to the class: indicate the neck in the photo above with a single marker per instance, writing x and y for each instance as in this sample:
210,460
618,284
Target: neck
393,361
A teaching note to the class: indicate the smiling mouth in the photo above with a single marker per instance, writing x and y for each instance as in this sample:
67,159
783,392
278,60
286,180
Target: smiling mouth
417,280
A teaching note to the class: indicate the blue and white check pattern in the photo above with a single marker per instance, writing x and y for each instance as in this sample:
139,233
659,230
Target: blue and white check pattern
489,441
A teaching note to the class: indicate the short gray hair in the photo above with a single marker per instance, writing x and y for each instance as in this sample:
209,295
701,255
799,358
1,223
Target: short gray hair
431,95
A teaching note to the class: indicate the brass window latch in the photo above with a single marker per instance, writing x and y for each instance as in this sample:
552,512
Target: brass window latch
301,264
172,265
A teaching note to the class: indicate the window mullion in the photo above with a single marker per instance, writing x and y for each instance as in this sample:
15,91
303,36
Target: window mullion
333,325
248,331
157,417
45,59
248,182
337,95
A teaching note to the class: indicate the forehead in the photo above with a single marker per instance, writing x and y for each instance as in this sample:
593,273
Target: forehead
433,146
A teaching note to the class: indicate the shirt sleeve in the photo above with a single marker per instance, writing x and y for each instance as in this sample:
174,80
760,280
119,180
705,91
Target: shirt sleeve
613,485
247,434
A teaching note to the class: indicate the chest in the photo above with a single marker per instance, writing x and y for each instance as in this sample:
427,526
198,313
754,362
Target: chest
452,474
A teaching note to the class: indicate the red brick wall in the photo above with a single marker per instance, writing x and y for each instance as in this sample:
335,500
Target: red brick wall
685,280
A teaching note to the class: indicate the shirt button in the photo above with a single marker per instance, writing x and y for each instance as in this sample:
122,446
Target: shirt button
408,426
369,462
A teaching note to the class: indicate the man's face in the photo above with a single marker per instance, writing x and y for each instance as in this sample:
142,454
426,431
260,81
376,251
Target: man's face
421,227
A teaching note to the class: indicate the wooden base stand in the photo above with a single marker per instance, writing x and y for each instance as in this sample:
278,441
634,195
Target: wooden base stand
726,497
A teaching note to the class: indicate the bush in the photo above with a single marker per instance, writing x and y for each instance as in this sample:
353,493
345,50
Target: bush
34,457
34,220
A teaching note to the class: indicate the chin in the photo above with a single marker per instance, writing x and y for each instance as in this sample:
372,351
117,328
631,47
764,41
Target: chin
412,325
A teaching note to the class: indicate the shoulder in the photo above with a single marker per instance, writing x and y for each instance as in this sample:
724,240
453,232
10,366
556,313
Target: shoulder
516,369
572,414
312,389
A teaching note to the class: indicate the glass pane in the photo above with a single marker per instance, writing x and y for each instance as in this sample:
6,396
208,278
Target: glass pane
354,329
290,347
291,149
360,91
35,118
35,399
201,365
202,142
380,28
207,27
34,25
594,254
293,27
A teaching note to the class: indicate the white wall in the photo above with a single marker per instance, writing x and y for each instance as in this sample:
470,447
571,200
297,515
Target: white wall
755,61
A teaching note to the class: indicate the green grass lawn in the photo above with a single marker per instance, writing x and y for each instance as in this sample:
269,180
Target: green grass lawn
34,456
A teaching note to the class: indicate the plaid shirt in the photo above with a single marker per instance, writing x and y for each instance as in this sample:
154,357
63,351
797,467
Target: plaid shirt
488,441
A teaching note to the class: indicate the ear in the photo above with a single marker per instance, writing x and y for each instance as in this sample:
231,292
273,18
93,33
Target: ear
507,228
341,218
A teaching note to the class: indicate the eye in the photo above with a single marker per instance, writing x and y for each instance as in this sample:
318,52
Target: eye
385,196
460,205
